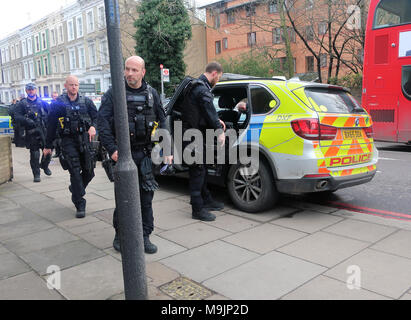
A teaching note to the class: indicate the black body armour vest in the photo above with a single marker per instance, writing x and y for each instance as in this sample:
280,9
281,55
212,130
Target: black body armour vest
190,112
77,118
141,117
34,110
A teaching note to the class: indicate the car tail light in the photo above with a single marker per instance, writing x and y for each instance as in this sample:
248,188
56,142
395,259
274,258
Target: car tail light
311,129
369,132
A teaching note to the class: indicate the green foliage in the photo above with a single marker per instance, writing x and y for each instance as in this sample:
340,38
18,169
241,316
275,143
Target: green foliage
351,80
256,64
163,27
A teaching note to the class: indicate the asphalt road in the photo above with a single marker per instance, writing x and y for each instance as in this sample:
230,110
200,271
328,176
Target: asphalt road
388,194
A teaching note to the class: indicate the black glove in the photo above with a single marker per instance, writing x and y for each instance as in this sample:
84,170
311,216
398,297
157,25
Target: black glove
148,182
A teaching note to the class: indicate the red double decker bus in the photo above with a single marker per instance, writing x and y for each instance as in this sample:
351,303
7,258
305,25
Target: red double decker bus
387,69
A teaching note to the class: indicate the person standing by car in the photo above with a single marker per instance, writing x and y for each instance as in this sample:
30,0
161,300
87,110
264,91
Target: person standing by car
144,109
31,113
78,116
198,112
18,130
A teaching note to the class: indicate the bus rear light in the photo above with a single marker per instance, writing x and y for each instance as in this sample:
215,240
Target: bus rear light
311,129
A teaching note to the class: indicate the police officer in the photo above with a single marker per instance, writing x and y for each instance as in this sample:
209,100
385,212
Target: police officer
76,116
198,112
31,114
145,111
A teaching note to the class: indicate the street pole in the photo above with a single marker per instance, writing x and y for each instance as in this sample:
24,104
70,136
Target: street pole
162,83
126,188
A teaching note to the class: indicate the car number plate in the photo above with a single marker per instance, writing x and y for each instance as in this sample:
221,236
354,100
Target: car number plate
352,134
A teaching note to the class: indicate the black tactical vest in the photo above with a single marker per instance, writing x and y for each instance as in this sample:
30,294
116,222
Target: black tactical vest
141,117
190,112
34,109
77,118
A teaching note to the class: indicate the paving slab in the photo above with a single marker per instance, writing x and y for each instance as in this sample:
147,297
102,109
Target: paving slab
169,206
23,227
313,207
398,243
209,260
160,274
90,227
324,249
307,221
194,235
64,256
11,265
8,204
406,296
380,272
27,286
268,277
15,214
364,231
102,239
39,240
324,288
276,213
233,223
172,220
99,279
264,238
68,224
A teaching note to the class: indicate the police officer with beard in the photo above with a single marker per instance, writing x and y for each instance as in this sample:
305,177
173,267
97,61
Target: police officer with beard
31,114
198,112
145,112
76,116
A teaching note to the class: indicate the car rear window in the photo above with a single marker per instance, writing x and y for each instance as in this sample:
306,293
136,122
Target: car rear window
332,100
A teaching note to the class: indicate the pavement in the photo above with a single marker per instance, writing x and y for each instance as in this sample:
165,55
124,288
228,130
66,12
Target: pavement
296,250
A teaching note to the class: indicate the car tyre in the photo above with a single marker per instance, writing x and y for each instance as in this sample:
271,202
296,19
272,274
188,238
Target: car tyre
252,192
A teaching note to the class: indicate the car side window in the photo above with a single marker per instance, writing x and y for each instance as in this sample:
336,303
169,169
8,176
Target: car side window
406,81
260,100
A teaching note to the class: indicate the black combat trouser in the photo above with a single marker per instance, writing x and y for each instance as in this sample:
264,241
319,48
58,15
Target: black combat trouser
79,177
199,193
34,144
146,200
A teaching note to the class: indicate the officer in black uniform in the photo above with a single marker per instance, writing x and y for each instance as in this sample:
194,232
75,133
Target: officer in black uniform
76,116
145,112
198,112
31,114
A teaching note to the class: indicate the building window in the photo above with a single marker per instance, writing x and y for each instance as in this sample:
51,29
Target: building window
53,37
39,68
13,53
309,63
273,6
31,70
44,40
309,4
62,62
72,59
249,10
323,60
70,30
322,28
251,39
79,26
104,52
46,66
92,54
81,58
217,20
61,34
90,21
217,47
101,17
230,17
29,46
225,43
291,34
277,35
17,51
97,82
309,33
24,48
55,65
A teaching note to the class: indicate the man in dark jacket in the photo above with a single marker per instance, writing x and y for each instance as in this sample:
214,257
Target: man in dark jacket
145,112
76,116
199,113
31,114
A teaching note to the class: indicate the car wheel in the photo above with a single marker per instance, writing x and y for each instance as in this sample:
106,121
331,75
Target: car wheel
251,190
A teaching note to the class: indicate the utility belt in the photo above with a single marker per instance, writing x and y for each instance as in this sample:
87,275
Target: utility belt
141,130
72,127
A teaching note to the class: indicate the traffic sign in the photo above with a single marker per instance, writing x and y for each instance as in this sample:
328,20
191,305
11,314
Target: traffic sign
166,75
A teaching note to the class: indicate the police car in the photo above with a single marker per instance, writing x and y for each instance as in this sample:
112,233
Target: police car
5,121
309,137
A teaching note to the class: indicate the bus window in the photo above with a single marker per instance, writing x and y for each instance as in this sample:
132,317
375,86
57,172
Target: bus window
406,81
392,13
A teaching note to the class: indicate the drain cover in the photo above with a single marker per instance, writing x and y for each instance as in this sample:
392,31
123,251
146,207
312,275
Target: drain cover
185,289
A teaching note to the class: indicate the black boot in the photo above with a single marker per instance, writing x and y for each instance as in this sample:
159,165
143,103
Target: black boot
203,215
116,243
47,171
81,210
213,205
37,178
148,246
